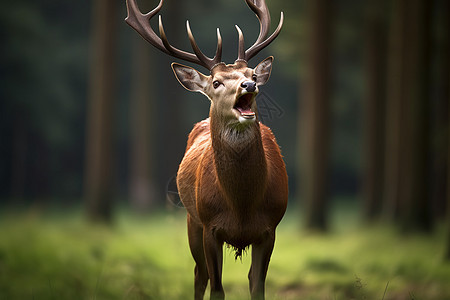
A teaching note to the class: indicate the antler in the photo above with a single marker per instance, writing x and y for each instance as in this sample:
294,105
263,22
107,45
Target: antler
141,23
259,7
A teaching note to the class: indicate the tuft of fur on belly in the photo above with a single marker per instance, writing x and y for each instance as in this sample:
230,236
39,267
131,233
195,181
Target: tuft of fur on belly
238,251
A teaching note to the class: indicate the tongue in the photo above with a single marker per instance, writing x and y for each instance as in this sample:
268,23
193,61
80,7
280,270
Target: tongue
245,111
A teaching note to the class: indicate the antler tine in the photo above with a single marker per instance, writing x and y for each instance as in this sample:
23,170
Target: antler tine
218,55
253,50
163,36
209,62
241,49
262,12
141,23
259,7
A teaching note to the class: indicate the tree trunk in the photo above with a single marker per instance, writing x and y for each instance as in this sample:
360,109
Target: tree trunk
99,152
414,193
316,117
440,114
407,127
375,99
394,111
447,254
141,124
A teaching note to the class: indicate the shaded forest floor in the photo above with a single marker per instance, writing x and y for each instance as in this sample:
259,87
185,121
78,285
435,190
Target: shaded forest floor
60,256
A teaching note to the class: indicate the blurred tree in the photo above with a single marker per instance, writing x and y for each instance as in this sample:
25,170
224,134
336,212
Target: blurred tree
375,98
406,186
440,110
414,192
99,151
416,205
142,117
394,110
447,254
315,111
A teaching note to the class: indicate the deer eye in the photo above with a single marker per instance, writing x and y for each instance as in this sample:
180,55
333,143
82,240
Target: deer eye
254,77
216,84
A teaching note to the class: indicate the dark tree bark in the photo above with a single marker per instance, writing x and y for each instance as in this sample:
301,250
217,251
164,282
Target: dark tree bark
394,111
374,110
406,193
440,113
447,254
316,117
99,152
415,191
141,126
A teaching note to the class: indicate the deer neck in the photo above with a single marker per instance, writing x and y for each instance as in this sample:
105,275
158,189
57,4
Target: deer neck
240,163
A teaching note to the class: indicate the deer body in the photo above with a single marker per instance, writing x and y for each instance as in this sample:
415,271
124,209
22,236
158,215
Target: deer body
232,179
234,193
236,198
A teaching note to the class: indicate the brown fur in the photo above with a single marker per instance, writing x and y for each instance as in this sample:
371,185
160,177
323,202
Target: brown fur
233,184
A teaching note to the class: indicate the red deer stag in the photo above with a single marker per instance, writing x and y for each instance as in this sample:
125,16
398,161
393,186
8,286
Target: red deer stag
232,179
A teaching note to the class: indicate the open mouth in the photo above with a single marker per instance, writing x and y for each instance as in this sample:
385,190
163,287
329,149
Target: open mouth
244,106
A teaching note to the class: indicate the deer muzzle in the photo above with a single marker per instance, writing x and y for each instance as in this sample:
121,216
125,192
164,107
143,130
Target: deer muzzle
243,106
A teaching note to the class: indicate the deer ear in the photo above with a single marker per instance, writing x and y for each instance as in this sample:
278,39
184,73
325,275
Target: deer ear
263,71
190,78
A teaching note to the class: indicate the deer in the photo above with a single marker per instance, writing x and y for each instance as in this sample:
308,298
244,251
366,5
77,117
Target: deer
232,179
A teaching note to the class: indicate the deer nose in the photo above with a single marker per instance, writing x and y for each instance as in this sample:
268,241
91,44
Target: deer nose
250,86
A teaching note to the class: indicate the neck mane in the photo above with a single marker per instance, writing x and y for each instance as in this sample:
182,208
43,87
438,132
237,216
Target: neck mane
240,163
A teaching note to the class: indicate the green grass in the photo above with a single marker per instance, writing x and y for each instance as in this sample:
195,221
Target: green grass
59,256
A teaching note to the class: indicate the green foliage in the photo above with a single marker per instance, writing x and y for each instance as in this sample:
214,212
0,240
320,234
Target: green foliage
59,256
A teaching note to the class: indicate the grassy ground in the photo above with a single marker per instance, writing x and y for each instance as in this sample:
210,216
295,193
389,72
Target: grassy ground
59,256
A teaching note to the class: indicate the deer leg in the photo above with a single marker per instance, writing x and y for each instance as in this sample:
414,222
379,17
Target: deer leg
195,235
214,255
261,253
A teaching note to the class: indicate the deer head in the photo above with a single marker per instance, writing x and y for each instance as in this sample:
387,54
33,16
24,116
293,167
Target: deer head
231,88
